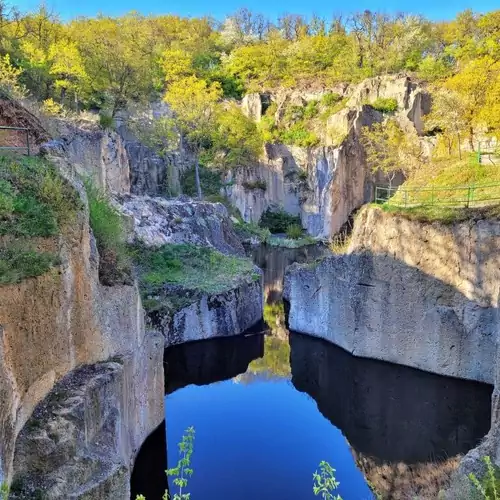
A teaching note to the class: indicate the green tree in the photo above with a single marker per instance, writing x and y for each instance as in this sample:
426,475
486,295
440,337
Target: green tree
195,105
389,149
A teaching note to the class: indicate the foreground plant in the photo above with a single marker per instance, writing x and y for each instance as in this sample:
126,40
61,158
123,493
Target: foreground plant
324,482
183,471
487,486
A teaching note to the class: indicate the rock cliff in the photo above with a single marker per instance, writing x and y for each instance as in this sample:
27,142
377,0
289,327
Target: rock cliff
324,184
51,326
421,295
417,294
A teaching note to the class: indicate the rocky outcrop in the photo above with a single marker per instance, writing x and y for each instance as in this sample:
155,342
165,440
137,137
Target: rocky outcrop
325,184
213,315
92,153
50,326
251,105
421,295
158,221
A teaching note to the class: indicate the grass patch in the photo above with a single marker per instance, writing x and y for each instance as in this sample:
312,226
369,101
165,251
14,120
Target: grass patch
107,225
294,231
17,264
250,232
291,243
187,267
385,104
443,214
35,201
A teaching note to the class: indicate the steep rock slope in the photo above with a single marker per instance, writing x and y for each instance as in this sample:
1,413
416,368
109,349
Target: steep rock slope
325,184
421,295
50,326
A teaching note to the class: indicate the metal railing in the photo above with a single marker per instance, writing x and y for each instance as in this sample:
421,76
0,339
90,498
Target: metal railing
451,196
26,149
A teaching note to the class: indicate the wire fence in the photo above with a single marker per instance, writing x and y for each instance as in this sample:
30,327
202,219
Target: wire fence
452,196
15,140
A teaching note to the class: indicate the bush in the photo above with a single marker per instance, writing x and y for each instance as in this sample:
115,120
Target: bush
277,221
488,486
106,121
257,184
311,110
210,181
107,226
298,135
17,264
385,104
294,231
330,99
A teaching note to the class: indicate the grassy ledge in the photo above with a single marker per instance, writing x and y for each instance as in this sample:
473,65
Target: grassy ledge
173,276
35,202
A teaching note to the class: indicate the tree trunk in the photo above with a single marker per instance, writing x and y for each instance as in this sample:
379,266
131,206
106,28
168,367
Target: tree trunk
197,177
471,138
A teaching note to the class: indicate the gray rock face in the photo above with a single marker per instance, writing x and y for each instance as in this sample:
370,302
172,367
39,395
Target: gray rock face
54,323
325,184
420,295
251,105
158,221
93,152
214,315
76,443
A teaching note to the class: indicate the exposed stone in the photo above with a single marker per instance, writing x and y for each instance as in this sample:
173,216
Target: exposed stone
251,105
402,281
326,184
213,315
56,322
158,221
93,152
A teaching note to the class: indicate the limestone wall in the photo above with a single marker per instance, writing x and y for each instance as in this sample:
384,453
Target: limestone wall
53,324
421,295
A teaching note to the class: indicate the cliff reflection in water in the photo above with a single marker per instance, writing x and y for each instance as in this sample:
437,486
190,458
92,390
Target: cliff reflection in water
406,427
206,362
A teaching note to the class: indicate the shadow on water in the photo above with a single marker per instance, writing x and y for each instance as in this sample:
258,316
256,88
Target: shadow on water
267,408
206,362
407,428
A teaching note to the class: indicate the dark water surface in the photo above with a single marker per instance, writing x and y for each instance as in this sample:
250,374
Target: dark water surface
268,408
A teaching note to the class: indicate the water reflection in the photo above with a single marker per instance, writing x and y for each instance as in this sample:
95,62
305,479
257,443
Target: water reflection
206,362
400,422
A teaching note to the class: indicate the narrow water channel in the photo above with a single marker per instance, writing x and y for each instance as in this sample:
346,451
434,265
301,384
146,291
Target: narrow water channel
268,408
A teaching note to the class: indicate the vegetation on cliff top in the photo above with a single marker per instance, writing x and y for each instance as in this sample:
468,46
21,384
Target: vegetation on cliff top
35,202
190,270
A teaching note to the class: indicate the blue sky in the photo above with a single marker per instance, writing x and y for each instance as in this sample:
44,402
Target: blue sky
434,9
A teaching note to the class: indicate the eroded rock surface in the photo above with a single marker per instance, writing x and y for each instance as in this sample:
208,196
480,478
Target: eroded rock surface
421,295
158,221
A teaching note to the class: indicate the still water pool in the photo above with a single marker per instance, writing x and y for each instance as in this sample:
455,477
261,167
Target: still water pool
267,407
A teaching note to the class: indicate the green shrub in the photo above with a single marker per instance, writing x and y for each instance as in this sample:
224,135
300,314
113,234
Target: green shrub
107,226
257,184
106,121
17,264
385,104
277,221
299,135
330,99
34,199
488,486
294,231
311,109
210,181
